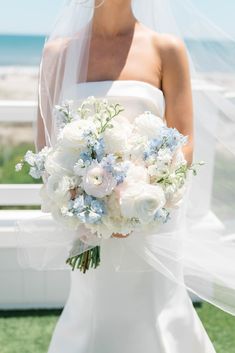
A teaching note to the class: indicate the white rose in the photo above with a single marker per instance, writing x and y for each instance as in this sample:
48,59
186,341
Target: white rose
116,138
141,201
61,161
97,181
148,125
58,188
73,133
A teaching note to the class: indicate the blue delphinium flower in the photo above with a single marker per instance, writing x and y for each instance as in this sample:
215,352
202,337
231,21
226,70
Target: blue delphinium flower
98,148
87,209
154,146
108,163
168,138
173,138
95,146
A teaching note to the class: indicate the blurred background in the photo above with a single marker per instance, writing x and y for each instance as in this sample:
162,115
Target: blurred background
30,302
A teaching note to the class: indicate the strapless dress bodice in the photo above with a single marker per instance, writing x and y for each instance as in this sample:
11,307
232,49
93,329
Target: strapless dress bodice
135,96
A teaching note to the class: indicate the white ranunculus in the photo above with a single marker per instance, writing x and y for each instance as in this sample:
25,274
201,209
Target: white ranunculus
97,181
148,125
141,201
73,133
61,161
116,138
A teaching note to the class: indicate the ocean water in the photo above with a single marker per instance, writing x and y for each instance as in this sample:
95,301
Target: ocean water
25,50
20,50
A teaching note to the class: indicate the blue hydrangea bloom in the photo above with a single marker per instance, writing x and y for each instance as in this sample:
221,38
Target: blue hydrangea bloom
86,156
118,171
87,209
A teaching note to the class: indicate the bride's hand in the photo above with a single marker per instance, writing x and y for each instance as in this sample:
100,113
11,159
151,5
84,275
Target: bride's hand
117,235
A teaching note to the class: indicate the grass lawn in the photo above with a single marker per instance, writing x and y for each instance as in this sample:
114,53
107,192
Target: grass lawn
30,331
9,157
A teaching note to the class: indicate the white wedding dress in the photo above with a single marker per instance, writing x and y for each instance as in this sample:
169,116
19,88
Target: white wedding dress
127,312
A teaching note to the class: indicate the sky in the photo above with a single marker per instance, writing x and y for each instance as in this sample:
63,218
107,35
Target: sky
37,16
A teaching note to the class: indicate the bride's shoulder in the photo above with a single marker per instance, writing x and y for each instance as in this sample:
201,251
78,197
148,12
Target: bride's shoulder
168,44
172,51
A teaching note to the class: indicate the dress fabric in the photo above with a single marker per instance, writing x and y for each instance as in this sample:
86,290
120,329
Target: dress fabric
127,311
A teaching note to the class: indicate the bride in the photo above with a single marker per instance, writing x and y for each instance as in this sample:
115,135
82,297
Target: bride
136,301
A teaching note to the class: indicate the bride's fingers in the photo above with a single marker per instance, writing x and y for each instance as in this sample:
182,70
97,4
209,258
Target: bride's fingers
117,235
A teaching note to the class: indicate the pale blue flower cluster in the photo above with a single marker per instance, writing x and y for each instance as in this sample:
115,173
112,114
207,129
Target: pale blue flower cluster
36,162
162,215
168,138
95,148
87,209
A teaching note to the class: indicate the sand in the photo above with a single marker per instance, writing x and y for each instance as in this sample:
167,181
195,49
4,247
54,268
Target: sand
18,83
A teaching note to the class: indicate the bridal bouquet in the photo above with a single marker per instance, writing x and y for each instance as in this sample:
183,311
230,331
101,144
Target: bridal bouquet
109,174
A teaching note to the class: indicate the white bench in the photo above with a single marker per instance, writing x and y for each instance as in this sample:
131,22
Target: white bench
24,288
20,288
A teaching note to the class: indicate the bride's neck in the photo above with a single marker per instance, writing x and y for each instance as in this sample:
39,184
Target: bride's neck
113,18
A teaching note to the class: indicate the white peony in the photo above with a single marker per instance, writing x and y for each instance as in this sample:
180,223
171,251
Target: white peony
136,174
97,181
116,138
136,146
73,133
148,125
141,201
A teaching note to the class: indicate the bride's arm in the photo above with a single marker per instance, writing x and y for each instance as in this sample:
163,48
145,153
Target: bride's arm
52,71
176,85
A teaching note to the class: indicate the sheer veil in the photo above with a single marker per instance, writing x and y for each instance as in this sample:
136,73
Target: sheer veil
204,245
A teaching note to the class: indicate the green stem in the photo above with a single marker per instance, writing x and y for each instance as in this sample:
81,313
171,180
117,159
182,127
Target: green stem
86,260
